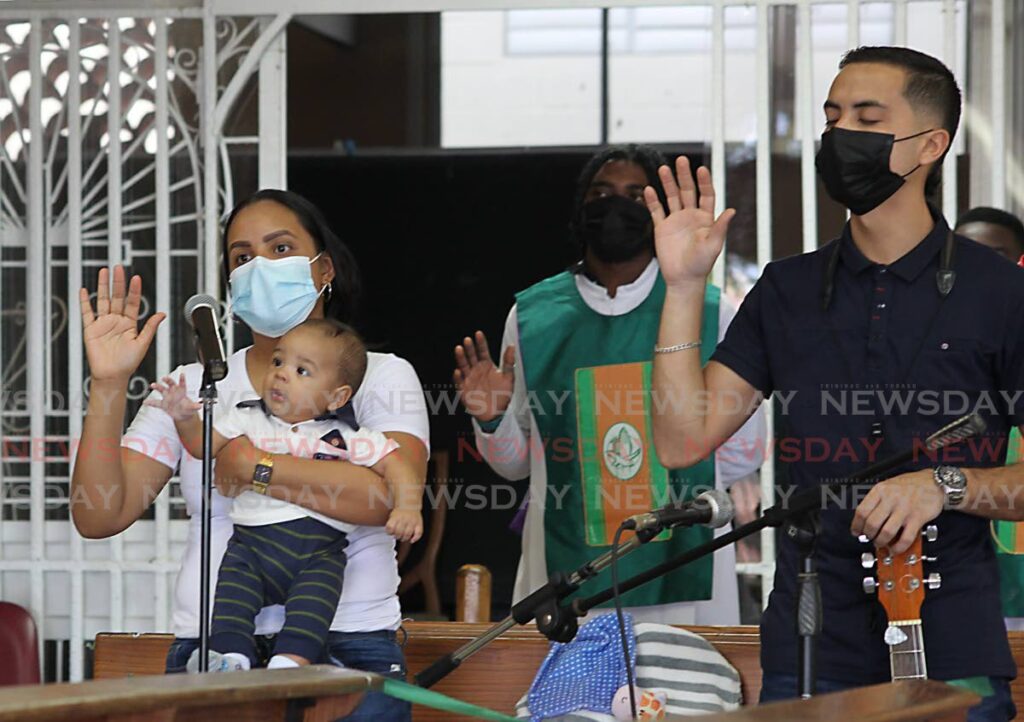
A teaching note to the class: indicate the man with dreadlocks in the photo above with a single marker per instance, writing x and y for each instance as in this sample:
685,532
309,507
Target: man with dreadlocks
569,406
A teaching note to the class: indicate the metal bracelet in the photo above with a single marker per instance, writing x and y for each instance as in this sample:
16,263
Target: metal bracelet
677,347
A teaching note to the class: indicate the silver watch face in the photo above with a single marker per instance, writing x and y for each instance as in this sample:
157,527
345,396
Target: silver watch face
953,482
952,477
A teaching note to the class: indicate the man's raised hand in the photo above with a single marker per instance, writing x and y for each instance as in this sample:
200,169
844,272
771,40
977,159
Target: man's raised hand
689,238
485,389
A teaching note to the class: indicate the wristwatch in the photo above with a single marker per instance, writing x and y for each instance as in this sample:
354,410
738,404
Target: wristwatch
953,483
262,473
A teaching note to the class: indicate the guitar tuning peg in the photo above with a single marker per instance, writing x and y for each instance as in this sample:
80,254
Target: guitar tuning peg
870,585
863,539
867,560
931,532
930,559
934,580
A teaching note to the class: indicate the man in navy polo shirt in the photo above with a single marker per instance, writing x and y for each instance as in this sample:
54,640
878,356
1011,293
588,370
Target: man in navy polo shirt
869,343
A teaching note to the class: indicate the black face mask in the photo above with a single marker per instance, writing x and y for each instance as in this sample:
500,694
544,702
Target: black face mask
854,166
615,228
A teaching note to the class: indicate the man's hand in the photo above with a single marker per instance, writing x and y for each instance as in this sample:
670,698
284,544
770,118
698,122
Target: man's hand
485,389
236,464
689,238
894,511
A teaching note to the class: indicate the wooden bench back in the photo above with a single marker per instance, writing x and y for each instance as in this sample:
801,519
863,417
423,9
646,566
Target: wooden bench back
496,677
316,694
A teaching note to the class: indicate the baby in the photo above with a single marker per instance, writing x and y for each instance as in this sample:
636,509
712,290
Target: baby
281,553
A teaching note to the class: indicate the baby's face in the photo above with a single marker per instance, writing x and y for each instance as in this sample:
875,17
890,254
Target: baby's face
302,377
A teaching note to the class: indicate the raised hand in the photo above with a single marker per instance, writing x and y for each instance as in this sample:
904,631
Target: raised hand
114,344
689,238
484,388
174,399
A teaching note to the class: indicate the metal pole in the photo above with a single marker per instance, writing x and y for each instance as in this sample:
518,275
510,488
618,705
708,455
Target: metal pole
998,82
208,394
949,165
718,167
35,323
75,365
805,107
163,288
522,612
604,76
114,255
764,250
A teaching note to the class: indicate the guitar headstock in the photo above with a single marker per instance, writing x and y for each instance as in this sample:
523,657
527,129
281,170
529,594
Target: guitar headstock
901,580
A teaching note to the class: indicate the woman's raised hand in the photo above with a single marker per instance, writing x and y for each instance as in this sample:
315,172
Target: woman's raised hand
114,344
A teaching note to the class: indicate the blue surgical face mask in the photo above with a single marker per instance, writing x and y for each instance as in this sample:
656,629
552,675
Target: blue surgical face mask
274,296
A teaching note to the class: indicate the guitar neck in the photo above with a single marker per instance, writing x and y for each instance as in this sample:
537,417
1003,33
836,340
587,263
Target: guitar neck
906,656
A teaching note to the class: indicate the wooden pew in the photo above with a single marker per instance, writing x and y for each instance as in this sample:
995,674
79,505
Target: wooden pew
321,693
324,693
905,701
129,655
495,677
514,657
498,675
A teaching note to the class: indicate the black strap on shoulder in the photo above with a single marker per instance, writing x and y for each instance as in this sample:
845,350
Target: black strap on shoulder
946,276
828,281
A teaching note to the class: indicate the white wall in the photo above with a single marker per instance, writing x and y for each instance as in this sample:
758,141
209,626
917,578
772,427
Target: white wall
532,77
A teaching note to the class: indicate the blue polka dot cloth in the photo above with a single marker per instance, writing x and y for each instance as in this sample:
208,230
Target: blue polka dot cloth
585,673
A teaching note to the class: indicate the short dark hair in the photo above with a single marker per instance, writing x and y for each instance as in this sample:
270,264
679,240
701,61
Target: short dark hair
997,217
647,157
346,287
350,347
930,86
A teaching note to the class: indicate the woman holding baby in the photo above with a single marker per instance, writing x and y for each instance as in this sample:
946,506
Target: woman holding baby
285,266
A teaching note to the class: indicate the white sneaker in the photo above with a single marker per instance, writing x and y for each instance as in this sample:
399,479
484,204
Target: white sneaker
279,661
229,662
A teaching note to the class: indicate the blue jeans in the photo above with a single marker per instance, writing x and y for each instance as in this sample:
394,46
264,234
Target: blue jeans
376,652
997,707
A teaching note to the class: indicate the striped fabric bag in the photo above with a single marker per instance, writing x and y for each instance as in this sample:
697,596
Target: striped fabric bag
694,676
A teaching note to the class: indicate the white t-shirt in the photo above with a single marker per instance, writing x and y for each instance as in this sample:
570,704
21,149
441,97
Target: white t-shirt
313,438
390,399
738,457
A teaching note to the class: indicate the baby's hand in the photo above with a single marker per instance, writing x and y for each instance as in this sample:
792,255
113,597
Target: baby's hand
175,399
405,525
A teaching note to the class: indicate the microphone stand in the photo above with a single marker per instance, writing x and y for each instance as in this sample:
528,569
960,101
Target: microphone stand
804,530
553,620
201,315
208,395
803,503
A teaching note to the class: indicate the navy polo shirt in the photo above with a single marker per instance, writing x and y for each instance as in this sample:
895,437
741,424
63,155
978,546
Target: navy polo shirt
888,363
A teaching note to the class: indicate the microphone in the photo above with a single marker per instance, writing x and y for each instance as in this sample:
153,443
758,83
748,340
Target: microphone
963,428
200,312
713,508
